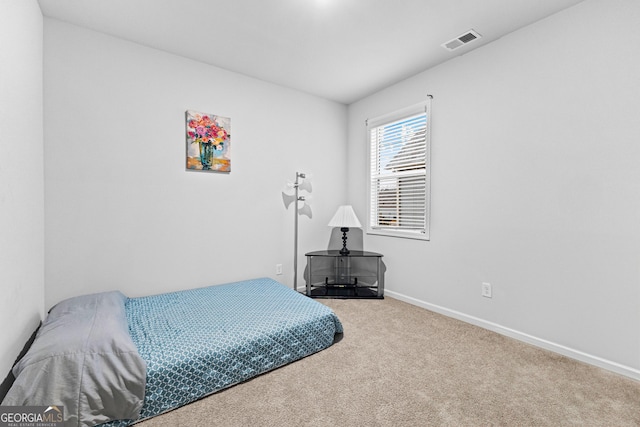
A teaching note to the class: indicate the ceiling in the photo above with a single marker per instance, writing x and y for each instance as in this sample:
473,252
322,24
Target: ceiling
342,50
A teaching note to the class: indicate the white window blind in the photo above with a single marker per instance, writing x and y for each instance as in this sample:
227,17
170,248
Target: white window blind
399,173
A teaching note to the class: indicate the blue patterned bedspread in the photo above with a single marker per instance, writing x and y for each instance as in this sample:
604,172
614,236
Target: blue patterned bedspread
200,341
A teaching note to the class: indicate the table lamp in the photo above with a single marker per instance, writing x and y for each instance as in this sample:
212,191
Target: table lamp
344,218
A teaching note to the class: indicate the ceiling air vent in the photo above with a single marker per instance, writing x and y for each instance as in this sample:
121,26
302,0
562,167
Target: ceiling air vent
461,40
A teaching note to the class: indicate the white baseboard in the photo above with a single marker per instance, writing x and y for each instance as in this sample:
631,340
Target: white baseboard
530,339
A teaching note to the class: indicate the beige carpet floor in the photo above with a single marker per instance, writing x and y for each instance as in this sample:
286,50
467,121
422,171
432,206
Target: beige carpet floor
401,365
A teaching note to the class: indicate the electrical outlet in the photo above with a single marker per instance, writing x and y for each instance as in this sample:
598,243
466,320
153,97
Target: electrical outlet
486,290
278,269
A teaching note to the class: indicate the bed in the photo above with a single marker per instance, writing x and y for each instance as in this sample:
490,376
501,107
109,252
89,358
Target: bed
111,360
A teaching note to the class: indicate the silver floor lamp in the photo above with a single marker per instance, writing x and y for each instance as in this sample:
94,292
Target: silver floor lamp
302,183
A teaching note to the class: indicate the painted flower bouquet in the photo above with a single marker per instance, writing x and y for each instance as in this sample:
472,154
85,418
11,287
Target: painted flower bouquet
202,129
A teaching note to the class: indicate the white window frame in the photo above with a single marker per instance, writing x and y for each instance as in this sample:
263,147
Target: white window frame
374,175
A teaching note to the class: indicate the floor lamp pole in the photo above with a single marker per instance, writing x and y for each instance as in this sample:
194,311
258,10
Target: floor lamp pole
295,241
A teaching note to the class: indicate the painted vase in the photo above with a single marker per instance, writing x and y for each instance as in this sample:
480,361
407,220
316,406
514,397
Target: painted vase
206,155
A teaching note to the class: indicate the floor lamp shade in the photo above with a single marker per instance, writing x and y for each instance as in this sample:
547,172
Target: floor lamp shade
345,218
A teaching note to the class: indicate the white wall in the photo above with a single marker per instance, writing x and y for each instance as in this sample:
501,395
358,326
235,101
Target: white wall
535,150
21,177
122,212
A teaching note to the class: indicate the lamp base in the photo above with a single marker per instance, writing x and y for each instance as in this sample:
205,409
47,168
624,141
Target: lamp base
344,251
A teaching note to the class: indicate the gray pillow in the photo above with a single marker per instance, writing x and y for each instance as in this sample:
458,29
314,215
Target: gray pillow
83,358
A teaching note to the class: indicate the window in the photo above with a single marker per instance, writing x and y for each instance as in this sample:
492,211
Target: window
399,173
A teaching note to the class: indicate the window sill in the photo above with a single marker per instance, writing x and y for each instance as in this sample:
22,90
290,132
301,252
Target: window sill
400,234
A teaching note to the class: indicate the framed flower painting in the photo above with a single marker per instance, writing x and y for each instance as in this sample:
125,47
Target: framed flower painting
208,142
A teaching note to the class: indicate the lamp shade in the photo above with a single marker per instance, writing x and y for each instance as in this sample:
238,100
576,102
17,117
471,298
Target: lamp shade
345,217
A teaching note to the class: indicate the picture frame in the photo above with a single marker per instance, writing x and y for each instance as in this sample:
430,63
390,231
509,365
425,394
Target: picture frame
208,142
